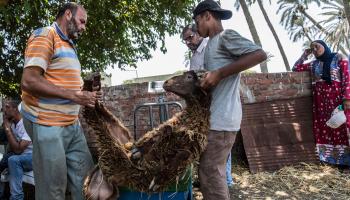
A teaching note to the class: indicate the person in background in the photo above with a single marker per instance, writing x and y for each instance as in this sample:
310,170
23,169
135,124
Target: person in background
226,55
19,157
330,88
197,45
51,93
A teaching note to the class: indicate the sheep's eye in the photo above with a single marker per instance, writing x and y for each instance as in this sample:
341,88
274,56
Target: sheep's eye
189,77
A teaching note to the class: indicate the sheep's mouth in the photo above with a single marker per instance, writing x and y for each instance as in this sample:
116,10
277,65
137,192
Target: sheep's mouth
166,87
171,88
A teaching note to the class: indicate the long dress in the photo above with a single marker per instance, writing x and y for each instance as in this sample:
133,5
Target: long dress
332,145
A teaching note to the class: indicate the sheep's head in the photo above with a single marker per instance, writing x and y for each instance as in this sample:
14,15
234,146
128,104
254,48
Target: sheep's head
185,85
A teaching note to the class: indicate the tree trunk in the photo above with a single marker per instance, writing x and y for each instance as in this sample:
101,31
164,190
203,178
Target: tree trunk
250,22
347,9
280,47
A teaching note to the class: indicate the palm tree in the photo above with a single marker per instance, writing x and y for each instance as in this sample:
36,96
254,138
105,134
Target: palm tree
300,32
252,28
294,14
336,25
279,44
292,10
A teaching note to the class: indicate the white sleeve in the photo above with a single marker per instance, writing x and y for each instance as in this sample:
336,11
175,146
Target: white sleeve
22,131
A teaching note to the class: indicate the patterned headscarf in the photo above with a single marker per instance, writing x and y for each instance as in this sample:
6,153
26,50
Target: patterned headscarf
326,58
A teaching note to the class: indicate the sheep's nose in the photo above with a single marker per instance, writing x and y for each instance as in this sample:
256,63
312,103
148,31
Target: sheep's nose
169,82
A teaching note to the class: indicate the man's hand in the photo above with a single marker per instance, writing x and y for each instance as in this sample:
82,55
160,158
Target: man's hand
246,61
6,123
87,98
346,104
306,53
210,79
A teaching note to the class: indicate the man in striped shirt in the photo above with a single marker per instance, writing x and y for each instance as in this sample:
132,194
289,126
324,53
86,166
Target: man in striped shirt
51,95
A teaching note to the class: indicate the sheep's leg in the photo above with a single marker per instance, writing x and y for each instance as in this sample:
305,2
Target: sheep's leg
116,129
97,188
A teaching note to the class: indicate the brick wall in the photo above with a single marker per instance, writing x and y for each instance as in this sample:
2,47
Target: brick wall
123,99
273,86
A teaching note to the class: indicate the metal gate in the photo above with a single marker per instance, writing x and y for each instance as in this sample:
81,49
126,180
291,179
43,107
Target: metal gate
163,112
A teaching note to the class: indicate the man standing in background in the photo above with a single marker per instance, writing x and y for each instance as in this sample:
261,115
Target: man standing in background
196,44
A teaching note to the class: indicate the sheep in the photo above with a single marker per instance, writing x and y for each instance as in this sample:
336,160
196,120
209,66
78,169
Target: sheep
161,155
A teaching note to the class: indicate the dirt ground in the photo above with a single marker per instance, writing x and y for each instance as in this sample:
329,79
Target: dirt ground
306,181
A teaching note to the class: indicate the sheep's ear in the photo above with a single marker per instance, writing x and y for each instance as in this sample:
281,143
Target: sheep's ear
199,75
200,72
200,88
204,92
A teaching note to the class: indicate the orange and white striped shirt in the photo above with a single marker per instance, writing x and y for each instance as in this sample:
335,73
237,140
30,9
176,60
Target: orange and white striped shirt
51,50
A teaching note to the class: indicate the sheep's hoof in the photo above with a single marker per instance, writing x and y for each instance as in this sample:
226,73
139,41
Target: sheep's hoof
136,154
128,145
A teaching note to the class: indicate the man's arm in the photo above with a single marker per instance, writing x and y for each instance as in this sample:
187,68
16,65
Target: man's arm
244,62
16,146
34,82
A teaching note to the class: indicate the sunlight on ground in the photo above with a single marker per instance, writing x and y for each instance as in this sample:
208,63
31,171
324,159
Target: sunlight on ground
306,181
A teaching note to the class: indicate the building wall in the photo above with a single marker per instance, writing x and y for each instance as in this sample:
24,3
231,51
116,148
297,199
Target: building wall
123,99
274,86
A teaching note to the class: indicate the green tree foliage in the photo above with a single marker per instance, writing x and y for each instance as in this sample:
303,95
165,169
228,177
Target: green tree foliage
119,33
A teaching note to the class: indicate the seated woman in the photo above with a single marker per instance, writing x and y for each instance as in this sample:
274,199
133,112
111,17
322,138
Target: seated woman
330,88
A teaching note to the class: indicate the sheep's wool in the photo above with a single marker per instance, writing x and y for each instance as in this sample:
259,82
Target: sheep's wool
166,150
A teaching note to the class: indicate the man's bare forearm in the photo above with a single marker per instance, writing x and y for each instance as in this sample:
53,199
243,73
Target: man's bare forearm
34,83
14,145
244,62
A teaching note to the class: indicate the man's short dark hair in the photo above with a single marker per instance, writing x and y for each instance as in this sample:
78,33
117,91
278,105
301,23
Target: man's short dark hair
191,27
14,102
72,6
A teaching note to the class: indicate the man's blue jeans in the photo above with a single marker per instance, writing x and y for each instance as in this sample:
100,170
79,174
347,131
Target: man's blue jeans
61,160
229,178
17,165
